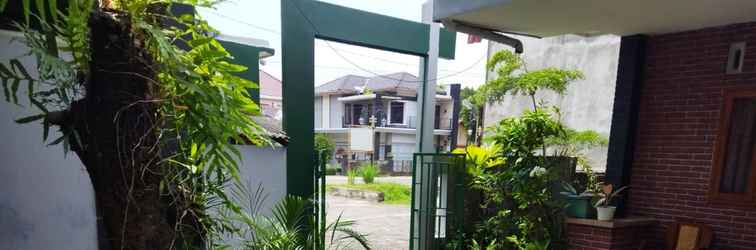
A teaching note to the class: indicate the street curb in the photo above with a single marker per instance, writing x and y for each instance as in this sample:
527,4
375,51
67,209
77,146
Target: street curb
357,194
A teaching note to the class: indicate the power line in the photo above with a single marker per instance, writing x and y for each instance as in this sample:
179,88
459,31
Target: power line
243,22
346,68
366,70
338,51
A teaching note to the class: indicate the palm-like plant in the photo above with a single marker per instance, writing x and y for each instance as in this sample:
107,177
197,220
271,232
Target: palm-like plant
288,229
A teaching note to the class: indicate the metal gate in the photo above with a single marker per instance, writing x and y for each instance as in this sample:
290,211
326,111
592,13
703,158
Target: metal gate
319,199
438,188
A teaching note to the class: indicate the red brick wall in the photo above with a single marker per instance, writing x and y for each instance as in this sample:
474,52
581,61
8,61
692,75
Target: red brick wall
583,237
678,121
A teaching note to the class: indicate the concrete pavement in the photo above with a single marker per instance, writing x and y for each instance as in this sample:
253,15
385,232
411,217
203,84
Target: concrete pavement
387,226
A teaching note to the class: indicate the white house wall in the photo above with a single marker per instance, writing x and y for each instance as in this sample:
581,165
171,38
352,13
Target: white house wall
46,198
588,103
337,112
318,112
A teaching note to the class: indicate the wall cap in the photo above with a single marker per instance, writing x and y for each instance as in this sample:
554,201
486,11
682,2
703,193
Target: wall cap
616,223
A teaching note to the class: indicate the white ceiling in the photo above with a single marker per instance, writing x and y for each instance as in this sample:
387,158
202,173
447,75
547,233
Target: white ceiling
620,17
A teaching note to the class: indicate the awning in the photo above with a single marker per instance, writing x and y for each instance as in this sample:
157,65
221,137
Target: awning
594,17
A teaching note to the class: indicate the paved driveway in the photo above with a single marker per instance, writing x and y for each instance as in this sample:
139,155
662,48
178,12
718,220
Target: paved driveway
387,226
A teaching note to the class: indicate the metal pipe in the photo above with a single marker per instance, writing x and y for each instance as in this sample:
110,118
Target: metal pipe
484,33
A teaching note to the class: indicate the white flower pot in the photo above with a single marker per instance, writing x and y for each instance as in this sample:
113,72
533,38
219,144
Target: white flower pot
605,213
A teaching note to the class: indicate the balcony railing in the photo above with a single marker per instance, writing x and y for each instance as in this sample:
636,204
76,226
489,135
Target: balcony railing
411,122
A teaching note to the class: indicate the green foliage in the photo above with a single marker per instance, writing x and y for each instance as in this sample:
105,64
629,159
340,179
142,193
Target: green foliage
332,169
575,142
528,245
286,229
351,176
202,103
514,78
607,195
368,172
472,104
515,182
480,159
393,193
325,145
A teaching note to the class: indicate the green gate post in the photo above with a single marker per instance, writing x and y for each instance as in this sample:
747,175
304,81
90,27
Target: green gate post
302,21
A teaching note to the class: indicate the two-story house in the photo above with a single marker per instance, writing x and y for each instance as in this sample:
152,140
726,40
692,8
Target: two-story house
375,118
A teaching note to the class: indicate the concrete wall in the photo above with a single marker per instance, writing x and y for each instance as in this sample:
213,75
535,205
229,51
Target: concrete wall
587,103
46,198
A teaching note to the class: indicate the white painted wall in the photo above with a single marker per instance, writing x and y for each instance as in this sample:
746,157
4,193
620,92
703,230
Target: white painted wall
588,103
318,114
337,112
266,167
46,198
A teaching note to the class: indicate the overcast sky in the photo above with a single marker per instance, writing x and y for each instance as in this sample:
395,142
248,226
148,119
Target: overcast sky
262,19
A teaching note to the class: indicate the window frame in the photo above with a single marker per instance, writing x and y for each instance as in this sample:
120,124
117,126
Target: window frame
720,151
391,113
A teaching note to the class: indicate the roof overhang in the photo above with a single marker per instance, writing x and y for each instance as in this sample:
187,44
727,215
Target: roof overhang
594,17
262,45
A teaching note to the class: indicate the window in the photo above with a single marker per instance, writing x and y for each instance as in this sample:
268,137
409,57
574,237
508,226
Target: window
357,110
733,174
735,58
397,113
347,114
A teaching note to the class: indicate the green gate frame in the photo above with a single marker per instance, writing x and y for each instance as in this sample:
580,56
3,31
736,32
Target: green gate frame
303,21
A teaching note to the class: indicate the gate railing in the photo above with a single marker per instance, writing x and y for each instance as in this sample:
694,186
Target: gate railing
437,208
319,199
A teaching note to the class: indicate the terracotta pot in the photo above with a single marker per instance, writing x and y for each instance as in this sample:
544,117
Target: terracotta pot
605,213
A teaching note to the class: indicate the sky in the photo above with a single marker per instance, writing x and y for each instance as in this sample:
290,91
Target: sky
261,19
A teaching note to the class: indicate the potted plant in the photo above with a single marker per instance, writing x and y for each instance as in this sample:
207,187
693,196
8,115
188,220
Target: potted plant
603,205
578,204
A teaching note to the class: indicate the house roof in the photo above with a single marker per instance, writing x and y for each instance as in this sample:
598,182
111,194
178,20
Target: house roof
270,86
390,82
273,129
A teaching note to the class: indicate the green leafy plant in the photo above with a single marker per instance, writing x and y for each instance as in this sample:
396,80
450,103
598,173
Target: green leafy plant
478,159
332,169
325,144
286,229
514,78
471,113
368,172
351,176
519,209
608,194
150,120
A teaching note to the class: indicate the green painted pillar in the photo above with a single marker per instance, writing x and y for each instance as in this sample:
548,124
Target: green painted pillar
249,56
298,77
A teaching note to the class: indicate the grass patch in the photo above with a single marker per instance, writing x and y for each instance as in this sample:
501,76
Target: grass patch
393,193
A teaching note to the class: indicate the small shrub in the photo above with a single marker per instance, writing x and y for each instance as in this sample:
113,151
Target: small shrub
351,174
324,144
368,172
332,169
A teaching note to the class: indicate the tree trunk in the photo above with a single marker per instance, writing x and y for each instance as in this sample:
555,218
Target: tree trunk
117,125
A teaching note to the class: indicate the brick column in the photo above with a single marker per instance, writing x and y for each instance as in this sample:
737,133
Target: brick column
619,234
